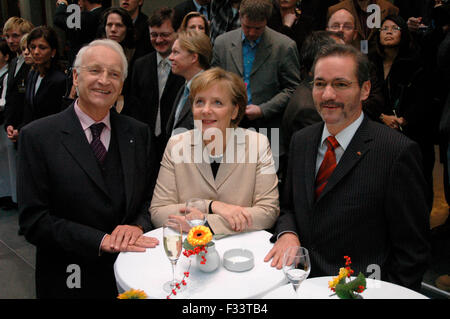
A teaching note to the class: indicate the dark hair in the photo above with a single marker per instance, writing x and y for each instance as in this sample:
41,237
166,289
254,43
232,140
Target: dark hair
311,46
407,42
256,10
130,37
194,14
362,62
160,15
5,50
49,35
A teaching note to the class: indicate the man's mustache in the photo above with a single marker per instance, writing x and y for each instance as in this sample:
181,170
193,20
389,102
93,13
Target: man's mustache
331,104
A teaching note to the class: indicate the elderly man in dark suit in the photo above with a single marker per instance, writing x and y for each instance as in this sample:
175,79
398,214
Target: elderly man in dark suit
153,84
353,187
85,180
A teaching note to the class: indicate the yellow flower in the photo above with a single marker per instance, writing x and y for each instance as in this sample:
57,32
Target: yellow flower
343,272
133,294
199,236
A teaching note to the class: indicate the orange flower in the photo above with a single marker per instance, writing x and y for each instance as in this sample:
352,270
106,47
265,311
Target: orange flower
199,236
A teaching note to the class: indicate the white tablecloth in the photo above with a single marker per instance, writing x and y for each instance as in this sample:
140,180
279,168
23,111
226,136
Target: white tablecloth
150,270
317,288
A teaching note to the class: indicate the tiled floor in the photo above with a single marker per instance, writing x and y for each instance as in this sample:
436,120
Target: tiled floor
17,257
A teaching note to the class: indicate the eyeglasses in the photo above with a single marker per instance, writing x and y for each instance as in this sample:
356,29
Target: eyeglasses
393,29
337,27
96,71
337,85
163,35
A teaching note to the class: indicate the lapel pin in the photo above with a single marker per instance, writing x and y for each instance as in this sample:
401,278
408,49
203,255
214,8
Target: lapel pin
358,153
131,141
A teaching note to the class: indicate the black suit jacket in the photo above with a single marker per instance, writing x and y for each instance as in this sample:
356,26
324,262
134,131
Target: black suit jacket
64,204
145,94
89,23
15,93
48,98
185,119
373,208
143,44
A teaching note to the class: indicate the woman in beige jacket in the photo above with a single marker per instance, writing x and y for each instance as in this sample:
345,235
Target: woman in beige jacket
230,167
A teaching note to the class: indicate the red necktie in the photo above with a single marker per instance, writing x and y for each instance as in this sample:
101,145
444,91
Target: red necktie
328,165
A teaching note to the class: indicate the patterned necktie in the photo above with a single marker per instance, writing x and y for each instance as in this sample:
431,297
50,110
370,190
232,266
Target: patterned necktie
327,167
163,73
97,146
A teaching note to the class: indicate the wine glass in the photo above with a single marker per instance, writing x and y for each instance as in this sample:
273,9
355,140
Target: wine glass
296,265
173,242
196,212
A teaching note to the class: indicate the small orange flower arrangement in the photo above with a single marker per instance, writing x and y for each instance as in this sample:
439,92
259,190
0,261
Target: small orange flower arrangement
347,289
133,294
197,240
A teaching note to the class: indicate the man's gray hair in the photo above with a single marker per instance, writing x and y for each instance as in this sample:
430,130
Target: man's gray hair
105,43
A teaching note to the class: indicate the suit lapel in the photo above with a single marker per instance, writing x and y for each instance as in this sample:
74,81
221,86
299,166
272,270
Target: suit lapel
74,140
310,165
236,54
126,143
263,52
356,150
235,145
203,167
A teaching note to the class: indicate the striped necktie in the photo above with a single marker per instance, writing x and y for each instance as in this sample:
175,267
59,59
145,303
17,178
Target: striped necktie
97,146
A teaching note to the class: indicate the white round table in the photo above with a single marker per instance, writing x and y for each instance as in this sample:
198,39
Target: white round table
150,270
317,288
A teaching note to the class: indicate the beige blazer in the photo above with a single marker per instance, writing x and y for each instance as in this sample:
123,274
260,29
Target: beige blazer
246,177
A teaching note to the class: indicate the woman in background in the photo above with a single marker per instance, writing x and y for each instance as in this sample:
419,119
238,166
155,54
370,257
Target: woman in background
46,83
195,21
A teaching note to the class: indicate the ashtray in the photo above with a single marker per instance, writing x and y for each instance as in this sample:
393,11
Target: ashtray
238,260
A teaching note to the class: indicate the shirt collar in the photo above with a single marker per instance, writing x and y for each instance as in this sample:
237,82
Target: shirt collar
345,136
86,121
252,43
188,84
159,58
199,7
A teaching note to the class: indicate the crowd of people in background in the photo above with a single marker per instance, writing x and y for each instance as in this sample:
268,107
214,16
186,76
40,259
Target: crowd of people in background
271,46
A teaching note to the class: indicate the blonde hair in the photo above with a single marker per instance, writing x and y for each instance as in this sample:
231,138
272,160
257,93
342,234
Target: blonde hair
198,43
23,25
23,41
229,81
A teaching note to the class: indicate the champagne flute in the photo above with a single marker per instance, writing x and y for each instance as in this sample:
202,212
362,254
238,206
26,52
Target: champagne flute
173,242
296,265
196,212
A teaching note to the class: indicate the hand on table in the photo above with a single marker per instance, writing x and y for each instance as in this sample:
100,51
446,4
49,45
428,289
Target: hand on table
238,217
127,238
276,253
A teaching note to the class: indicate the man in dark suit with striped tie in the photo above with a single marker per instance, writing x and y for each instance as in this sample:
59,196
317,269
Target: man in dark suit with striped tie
85,181
354,187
